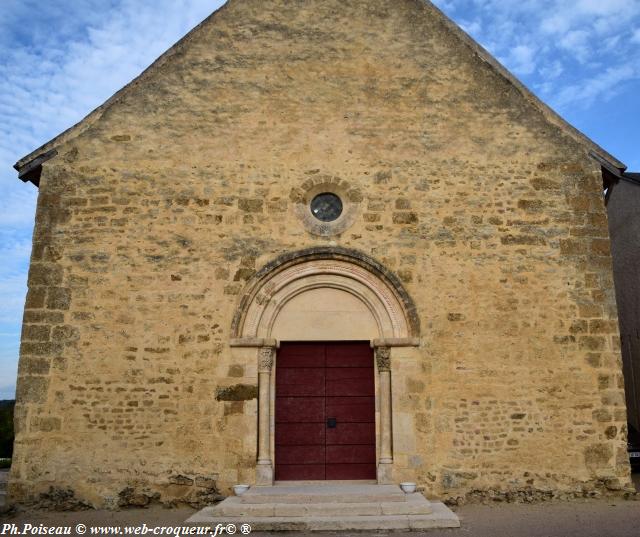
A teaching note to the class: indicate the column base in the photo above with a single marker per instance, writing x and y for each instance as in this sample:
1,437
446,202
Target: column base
264,475
385,474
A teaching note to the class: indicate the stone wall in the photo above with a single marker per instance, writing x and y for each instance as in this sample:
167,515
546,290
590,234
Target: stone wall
151,220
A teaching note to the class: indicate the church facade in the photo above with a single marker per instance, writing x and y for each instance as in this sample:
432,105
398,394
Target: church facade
319,240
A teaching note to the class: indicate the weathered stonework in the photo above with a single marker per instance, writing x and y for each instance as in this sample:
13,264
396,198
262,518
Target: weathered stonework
265,360
383,358
159,211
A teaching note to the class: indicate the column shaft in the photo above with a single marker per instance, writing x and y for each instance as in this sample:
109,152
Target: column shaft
264,403
386,455
264,469
385,463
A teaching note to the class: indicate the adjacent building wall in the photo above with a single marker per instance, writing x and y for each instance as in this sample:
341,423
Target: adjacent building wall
150,222
623,207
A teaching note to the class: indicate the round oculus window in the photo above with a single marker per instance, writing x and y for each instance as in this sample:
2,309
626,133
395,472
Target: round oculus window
326,207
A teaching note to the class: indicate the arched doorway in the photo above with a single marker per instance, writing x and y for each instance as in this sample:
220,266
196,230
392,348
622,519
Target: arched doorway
329,311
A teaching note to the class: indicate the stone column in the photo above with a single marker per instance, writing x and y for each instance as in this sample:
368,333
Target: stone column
383,361
264,469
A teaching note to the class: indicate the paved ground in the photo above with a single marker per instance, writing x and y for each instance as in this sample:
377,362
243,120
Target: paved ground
593,518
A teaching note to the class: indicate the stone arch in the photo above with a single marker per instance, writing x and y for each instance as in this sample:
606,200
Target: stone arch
380,305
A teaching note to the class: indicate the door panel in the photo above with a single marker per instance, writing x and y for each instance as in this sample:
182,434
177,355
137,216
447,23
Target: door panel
358,383
301,409
295,454
300,472
315,382
350,355
350,471
343,373
300,382
352,387
301,355
351,433
351,409
300,434
351,454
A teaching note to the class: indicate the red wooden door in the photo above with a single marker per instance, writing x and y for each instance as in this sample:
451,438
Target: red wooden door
325,413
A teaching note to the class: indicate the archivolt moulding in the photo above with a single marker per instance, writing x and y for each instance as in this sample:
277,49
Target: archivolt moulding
340,269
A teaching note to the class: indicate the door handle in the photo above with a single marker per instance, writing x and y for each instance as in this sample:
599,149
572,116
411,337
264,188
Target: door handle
331,423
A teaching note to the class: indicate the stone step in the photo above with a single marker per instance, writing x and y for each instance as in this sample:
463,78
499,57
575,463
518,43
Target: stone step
3,498
328,507
415,504
324,494
3,486
440,517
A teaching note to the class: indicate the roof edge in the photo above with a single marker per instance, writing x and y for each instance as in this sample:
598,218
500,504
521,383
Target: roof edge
32,170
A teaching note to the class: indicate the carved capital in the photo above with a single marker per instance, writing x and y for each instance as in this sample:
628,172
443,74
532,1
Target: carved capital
383,358
265,359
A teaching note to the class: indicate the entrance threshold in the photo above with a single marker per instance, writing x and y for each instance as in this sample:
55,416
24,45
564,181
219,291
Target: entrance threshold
326,482
328,507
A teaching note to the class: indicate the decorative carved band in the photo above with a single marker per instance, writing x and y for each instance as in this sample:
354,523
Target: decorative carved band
383,358
391,299
383,301
265,359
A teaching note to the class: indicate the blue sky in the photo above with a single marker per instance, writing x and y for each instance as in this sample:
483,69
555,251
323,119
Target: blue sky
59,59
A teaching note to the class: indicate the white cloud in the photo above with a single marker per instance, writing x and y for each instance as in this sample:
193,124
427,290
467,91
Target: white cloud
551,71
14,252
602,17
448,5
47,87
557,46
610,8
603,86
13,290
577,43
557,23
17,207
610,43
522,59
471,27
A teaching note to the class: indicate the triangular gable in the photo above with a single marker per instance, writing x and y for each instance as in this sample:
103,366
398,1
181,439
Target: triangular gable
29,166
